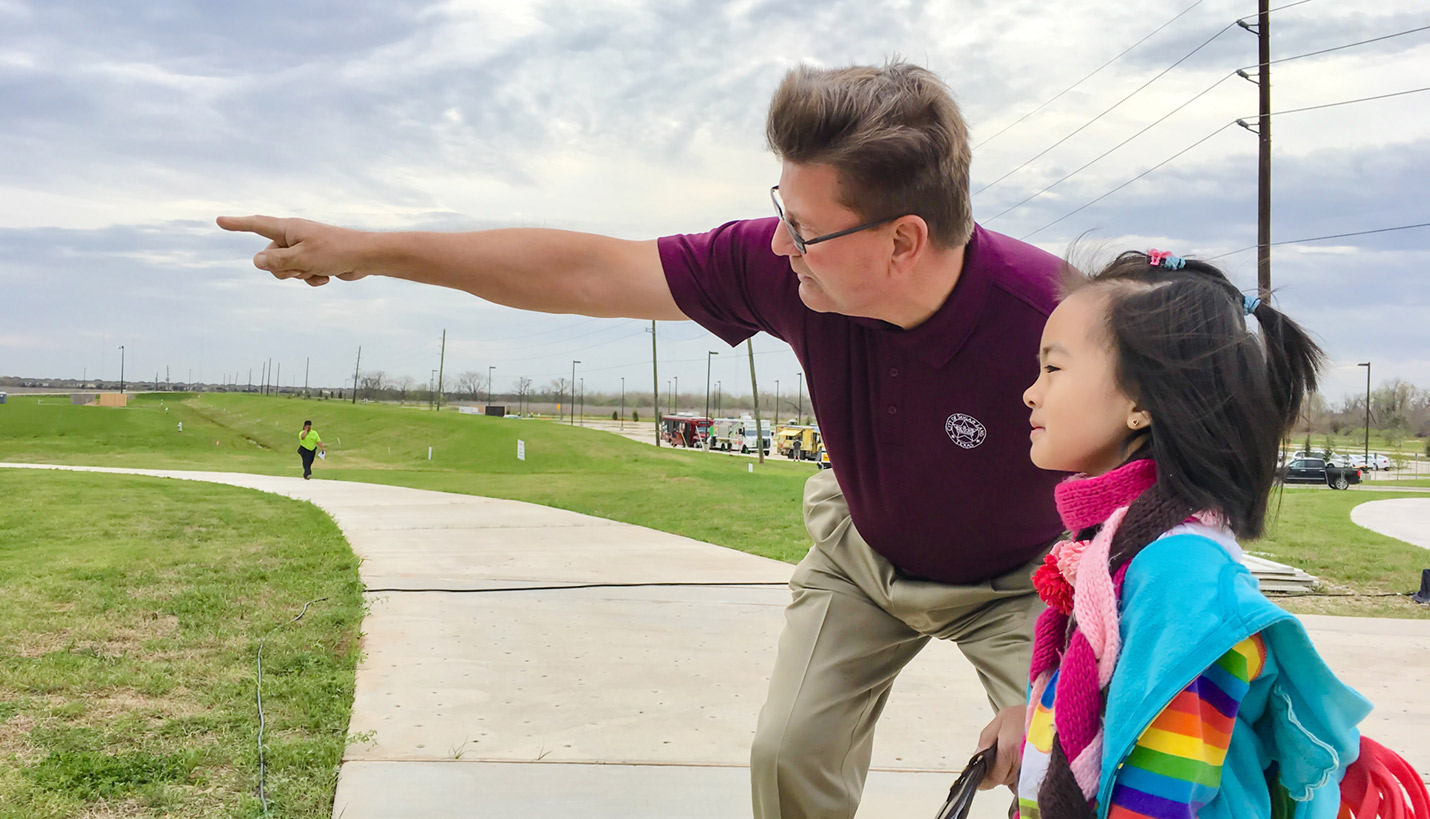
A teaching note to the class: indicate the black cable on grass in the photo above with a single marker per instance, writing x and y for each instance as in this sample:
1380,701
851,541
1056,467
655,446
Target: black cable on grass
262,794
575,586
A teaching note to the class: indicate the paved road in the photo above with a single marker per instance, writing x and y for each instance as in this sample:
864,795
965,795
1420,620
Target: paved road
514,665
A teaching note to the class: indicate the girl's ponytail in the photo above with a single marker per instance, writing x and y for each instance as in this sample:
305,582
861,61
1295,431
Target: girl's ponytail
1292,361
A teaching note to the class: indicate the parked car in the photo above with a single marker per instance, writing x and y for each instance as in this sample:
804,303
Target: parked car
1376,461
1316,470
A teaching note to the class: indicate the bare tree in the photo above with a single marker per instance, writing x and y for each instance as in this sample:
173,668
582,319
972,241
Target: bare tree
372,382
523,389
405,385
471,383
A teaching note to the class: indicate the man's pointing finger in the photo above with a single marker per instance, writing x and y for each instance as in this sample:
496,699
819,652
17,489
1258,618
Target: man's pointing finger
265,226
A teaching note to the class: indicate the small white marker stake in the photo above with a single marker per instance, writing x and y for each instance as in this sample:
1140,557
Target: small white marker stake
751,467
429,453
520,449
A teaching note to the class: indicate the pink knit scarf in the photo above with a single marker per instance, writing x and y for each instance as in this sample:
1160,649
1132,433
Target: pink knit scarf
1091,654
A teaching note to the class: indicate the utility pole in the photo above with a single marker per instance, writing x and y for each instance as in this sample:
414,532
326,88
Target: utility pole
250,380
676,405
654,384
441,365
755,391
1366,364
355,373
717,397
583,400
168,383
306,362
799,412
708,356
121,368
777,402
623,402
490,367
573,393
1262,30
278,382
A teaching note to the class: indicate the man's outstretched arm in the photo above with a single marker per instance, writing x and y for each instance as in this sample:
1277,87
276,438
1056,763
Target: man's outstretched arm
550,271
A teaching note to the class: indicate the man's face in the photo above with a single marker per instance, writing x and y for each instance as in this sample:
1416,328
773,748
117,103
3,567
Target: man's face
846,275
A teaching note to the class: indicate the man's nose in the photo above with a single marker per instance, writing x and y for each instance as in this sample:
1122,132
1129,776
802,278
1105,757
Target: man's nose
782,244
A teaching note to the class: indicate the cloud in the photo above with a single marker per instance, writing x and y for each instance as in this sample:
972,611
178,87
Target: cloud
129,126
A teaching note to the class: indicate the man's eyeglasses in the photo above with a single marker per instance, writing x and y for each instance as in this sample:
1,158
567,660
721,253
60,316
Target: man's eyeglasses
800,242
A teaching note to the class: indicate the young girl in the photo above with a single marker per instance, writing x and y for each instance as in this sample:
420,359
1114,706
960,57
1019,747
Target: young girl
1163,683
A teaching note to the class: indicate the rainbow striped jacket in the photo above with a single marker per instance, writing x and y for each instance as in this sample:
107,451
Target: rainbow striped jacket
1186,603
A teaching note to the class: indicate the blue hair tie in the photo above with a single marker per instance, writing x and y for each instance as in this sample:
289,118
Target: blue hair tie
1250,303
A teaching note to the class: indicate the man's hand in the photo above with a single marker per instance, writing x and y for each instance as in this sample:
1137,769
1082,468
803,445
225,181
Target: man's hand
1007,730
300,249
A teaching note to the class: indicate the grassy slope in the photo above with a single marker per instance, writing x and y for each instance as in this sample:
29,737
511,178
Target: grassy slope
133,610
708,497
711,498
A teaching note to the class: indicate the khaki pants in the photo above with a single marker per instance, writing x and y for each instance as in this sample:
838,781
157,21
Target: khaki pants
853,624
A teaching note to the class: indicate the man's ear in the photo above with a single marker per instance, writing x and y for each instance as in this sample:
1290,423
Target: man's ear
910,236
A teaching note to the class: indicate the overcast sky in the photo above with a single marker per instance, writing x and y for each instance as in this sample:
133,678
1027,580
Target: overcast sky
126,127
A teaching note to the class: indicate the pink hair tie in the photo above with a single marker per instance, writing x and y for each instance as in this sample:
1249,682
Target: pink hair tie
1164,258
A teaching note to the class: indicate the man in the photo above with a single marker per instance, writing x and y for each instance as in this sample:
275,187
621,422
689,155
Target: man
918,332
309,444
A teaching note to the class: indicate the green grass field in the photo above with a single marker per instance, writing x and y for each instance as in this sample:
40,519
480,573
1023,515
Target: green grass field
708,497
136,604
133,610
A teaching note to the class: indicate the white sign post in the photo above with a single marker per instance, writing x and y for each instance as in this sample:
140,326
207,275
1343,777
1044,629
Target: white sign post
520,449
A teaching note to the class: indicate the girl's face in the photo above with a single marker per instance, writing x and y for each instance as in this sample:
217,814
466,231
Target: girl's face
1081,419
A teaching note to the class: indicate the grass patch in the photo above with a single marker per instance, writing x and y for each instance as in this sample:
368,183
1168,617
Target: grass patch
1313,531
707,497
134,607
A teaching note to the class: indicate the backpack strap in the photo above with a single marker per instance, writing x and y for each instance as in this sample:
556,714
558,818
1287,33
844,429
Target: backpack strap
1382,785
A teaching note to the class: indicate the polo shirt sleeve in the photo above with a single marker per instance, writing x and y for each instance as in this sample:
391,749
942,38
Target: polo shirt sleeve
730,282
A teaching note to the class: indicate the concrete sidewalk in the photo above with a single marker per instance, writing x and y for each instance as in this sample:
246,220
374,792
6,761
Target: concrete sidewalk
528,661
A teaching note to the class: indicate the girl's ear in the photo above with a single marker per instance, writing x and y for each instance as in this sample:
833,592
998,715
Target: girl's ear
1138,419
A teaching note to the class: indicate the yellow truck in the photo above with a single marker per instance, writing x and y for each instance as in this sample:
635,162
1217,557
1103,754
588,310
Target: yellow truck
799,442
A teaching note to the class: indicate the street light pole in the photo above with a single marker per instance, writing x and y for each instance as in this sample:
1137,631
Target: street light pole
490,367
1366,364
121,368
573,392
708,356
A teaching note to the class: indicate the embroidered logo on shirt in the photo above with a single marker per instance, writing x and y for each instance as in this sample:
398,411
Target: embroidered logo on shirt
965,430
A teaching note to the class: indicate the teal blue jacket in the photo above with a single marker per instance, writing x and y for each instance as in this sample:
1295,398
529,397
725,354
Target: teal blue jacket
1185,602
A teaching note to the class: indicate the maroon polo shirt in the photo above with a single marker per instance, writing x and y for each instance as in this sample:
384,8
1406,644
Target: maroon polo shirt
926,428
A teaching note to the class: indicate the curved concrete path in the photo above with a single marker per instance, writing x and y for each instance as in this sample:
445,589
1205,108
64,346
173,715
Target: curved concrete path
515,665
1406,519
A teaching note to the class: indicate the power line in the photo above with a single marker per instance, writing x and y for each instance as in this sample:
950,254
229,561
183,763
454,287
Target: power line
1109,110
1089,76
1109,151
1323,238
1347,45
1348,102
1207,137
1198,96
1128,182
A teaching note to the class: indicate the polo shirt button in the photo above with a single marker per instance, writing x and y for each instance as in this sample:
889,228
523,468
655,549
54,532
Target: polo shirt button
893,372
893,410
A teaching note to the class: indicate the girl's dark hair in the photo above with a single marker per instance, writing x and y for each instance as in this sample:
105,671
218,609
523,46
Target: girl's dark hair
1221,400
1220,397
